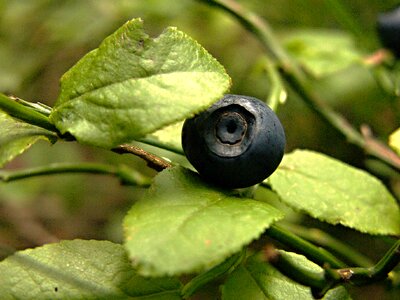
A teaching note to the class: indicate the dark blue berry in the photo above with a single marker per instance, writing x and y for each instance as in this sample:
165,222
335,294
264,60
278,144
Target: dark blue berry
236,143
389,30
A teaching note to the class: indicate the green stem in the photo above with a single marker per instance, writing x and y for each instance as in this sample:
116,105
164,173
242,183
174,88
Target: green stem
25,113
323,239
39,107
380,271
199,281
332,277
302,84
125,174
261,30
312,252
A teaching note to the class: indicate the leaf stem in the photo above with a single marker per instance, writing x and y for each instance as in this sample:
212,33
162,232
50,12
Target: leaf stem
25,113
39,107
125,174
312,252
302,84
152,160
325,240
321,284
362,276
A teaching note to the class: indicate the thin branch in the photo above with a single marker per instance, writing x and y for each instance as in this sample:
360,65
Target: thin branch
39,107
300,82
25,113
380,271
325,240
152,160
312,252
125,174
321,283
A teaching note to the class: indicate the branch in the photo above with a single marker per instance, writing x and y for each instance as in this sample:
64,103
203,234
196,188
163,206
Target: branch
25,113
261,30
152,160
321,283
380,271
39,107
301,83
323,239
312,252
124,173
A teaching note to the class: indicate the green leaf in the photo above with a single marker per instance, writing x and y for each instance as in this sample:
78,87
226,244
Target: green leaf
259,280
17,136
335,192
394,140
212,274
183,225
79,270
241,285
133,85
322,51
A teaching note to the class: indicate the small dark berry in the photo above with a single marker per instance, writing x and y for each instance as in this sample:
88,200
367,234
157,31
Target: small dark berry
389,30
237,142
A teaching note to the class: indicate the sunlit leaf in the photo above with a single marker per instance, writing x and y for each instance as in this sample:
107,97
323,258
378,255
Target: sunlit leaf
133,85
335,192
79,270
183,225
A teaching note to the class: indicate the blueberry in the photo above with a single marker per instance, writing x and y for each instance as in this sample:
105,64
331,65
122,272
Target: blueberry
389,30
236,143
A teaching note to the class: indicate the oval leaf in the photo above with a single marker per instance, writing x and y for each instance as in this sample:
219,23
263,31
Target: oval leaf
133,85
335,192
79,270
17,136
182,225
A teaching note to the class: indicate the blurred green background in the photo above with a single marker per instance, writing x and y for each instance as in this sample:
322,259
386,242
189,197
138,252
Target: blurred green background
41,39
